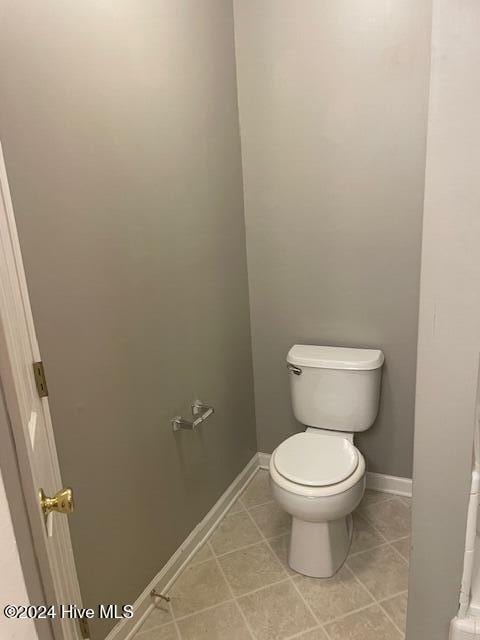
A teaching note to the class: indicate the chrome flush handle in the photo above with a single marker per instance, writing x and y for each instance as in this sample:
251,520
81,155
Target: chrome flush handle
293,369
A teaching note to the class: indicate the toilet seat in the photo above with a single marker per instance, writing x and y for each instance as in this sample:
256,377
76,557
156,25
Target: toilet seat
316,460
317,491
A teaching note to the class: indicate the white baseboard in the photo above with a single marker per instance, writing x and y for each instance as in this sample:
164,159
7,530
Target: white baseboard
389,484
376,481
126,629
263,460
465,629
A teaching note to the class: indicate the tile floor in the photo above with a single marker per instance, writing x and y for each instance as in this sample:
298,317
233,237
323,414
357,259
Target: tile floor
239,586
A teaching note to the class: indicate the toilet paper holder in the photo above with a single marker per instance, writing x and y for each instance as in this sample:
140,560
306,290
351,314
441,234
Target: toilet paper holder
201,412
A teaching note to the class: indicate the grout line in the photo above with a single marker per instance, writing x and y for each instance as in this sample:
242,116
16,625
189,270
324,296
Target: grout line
394,595
376,529
235,513
246,546
402,633
209,608
260,504
377,602
299,634
390,542
399,539
280,535
268,541
254,475
256,525
194,563
366,589
172,621
239,608
350,613
383,536
397,553
359,553
362,585
177,629
304,600
156,626
379,546
199,562
265,586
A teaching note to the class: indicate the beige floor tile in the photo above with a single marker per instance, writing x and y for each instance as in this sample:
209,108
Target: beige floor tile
167,632
381,570
333,597
364,535
369,624
234,531
199,586
403,547
281,547
392,518
396,608
373,497
276,612
271,520
204,553
160,615
219,623
258,491
251,568
236,507
315,634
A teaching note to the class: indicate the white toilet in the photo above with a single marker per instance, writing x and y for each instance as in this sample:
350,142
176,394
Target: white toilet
318,476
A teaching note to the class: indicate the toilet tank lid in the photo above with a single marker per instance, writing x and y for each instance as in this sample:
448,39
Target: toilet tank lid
308,355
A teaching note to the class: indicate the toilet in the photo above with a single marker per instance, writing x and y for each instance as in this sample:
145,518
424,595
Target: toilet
318,476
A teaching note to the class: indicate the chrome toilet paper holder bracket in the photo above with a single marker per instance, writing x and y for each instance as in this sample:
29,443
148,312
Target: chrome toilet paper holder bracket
201,412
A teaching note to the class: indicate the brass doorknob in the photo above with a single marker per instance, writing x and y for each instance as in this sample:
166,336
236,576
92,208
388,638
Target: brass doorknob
62,501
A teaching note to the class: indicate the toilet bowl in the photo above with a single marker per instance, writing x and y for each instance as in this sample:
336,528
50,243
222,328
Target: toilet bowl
318,476
321,522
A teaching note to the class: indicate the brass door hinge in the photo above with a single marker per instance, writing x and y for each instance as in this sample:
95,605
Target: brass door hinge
40,380
84,629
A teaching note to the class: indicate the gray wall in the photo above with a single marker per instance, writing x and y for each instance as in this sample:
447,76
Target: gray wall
449,323
120,128
332,97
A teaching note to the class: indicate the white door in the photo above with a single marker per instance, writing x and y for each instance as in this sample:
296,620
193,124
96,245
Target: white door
32,427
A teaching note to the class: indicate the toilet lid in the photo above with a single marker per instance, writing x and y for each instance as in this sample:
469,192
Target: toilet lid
316,460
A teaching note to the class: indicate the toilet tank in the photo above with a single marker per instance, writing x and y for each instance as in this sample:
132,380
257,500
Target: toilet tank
335,388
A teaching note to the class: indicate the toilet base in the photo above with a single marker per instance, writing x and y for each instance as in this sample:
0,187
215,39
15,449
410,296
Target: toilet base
319,549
